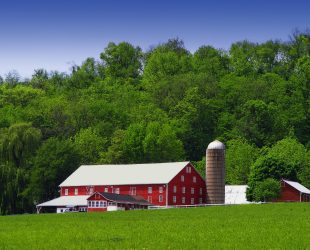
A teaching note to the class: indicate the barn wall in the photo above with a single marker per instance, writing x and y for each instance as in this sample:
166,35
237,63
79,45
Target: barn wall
288,193
188,184
141,190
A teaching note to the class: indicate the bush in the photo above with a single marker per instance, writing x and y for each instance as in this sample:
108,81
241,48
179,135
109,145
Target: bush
267,190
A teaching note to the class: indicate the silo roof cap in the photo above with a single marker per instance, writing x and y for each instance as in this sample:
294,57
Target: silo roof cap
216,145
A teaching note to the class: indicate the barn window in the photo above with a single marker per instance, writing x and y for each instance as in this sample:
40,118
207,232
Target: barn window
182,178
200,200
66,191
149,199
189,169
160,198
192,190
106,190
174,199
97,203
200,191
183,190
174,189
89,203
183,200
194,179
76,191
149,190
92,204
101,203
192,201
132,191
116,190
160,189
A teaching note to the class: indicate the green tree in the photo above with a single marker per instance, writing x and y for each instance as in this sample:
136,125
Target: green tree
122,60
12,78
161,144
89,144
55,160
240,155
267,190
208,60
18,143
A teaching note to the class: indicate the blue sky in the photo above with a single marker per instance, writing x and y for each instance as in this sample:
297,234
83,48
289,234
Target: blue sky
56,34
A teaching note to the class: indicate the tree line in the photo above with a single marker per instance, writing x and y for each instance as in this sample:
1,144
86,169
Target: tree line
164,104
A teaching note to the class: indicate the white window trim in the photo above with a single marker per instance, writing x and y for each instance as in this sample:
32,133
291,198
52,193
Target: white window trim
132,191
183,190
149,199
161,190
116,190
194,179
160,198
183,200
182,178
76,191
149,190
66,191
174,198
174,189
192,190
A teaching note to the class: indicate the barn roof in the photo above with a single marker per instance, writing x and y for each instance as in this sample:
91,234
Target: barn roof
298,186
131,174
79,200
121,198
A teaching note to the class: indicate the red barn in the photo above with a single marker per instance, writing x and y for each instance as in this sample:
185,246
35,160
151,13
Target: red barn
162,184
293,191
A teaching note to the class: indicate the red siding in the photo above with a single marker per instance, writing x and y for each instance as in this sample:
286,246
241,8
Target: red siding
141,190
288,193
188,184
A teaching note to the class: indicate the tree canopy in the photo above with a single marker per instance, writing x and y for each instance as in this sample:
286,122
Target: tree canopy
164,104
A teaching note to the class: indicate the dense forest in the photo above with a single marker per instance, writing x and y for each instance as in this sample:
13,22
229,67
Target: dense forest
164,104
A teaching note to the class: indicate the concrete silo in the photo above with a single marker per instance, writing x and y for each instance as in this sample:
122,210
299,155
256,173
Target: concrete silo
215,173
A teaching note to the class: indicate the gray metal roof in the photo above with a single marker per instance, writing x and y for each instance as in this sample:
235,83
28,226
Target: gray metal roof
79,200
298,186
131,174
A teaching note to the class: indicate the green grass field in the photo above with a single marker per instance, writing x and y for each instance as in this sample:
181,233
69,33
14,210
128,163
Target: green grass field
268,226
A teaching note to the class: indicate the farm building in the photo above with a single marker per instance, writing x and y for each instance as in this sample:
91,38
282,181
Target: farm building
161,184
100,202
236,194
293,191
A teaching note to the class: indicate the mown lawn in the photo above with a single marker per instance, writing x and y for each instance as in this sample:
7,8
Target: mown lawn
268,226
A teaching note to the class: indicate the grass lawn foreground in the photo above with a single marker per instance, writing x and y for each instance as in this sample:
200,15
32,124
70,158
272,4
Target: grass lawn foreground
266,226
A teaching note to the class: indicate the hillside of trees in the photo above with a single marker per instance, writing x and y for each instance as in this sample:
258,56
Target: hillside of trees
164,104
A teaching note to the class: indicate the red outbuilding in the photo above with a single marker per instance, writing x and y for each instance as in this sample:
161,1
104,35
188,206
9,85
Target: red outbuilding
293,191
161,184
101,202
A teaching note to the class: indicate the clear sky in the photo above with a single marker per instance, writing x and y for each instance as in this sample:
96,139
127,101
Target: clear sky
54,34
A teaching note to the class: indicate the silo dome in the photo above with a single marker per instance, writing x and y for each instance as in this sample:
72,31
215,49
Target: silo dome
216,145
